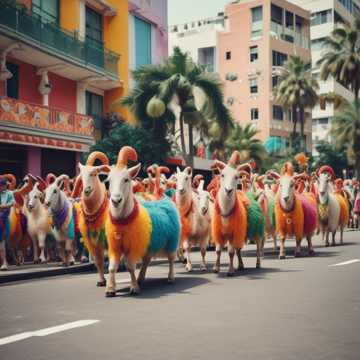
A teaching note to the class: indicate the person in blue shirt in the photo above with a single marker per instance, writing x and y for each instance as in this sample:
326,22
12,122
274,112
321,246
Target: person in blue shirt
7,200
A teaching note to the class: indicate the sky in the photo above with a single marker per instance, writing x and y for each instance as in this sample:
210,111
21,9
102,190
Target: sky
180,11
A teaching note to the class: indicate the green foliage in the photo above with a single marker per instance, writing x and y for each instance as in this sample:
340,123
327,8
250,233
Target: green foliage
150,150
297,90
331,155
342,56
243,140
179,80
345,130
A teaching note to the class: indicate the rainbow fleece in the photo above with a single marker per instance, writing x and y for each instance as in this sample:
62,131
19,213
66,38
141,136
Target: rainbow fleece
156,227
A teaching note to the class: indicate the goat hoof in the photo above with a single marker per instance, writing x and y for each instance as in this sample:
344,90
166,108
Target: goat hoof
333,244
134,291
311,252
37,262
203,268
297,254
258,266
170,280
109,294
282,257
101,283
240,268
327,245
65,264
188,268
230,274
216,270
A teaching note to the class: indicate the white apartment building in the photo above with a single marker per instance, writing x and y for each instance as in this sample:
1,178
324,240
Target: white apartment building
199,38
326,15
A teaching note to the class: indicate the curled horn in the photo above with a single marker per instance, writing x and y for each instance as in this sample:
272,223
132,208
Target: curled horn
77,187
50,178
327,169
197,179
164,169
273,174
11,179
63,177
201,185
287,169
218,165
245,167
41,183
97,155
126,153
234,158
25,189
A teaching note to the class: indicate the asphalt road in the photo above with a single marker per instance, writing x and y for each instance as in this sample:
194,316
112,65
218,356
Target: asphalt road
299,308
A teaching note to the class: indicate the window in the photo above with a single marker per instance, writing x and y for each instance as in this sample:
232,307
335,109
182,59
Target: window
290,115
349,5
253,86
278,113
254,112
94,28
94,107
12,85
276,14
143,45
256,14
253,53
321,17
256,21
228,55
278,58
289,20
275,81
48,10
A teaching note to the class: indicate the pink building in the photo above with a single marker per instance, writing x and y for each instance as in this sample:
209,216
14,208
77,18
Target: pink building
258,35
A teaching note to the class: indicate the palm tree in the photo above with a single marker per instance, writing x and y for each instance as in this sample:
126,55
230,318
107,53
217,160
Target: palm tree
243,140
345,130
342,56
296,91
179,84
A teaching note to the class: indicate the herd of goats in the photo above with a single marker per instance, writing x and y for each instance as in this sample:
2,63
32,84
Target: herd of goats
125,217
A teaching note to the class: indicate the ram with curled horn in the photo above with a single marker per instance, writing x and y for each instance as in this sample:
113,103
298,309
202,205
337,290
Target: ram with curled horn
295,213
237,216
195,226
93,208
333,208
63,218
137,229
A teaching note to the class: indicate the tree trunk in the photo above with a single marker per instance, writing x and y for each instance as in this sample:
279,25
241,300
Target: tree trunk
294,126
188,159
302,125
191,146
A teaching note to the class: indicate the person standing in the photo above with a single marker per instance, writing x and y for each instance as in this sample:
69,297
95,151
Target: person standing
7,200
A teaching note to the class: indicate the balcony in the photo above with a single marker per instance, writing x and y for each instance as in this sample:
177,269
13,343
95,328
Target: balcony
28,123
49,37
287,34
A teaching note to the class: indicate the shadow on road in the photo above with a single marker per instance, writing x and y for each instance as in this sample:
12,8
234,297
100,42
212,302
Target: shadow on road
159,287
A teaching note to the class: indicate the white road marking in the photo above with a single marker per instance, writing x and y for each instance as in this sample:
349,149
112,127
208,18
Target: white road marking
46,331
347,262
123,281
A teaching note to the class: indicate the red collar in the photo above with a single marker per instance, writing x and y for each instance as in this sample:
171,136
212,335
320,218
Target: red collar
129,218
92,218
218,210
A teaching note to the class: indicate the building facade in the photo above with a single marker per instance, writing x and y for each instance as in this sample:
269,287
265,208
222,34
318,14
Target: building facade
260,35
326,15
200,39
63,64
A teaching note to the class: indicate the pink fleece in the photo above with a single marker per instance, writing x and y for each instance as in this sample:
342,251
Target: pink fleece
310,214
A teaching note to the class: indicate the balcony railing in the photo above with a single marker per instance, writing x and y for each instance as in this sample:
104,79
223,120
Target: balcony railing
24,114
49,35
289,35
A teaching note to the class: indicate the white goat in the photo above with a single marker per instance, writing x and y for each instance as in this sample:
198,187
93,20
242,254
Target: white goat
38,224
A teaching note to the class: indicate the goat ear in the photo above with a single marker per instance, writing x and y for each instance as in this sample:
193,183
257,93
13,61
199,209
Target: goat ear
178,171
133,172
218,165
188,170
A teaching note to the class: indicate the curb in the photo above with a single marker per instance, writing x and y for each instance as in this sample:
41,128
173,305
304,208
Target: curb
47,273
30,275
